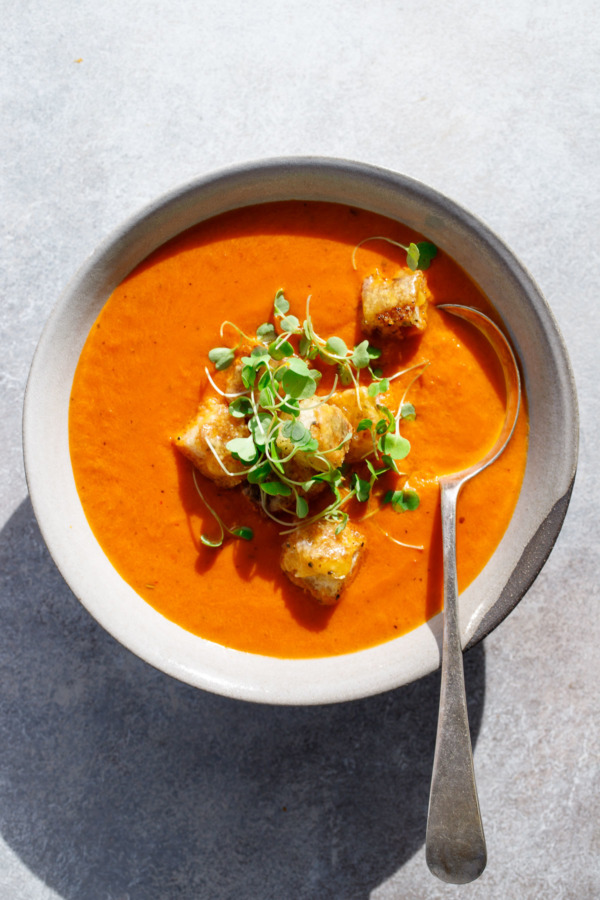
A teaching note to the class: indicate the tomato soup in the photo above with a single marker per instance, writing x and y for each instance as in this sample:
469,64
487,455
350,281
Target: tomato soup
141,376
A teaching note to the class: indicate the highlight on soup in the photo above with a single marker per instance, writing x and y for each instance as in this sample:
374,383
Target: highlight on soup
259,418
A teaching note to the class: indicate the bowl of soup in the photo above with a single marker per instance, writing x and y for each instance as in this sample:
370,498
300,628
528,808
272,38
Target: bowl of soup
182,430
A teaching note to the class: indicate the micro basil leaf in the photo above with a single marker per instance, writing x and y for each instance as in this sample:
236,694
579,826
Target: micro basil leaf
240,407
243,449
310,446
265,380
266,332
332,477
402,501
390,463
290,324
394,445
296,432
248,376
309,390
276,488
304,345
243,532
297,380
407,411
221,357
344,373
266,398
378,387
259,474
427,253
411,499
360,355
280,349
290,406
374,352
362,488
259,428
365,425
342,523
295,385
299,367
336,346
388,414
280,305
301,507
412,256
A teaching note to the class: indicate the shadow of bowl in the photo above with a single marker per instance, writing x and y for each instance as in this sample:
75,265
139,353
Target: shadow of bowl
120,782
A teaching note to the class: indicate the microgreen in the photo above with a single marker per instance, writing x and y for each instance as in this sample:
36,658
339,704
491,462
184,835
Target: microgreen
362,488
290,324
243,449
275,488
336,347
402,501
418,256
222,357
394,445
378,387
361,356
280,380
242,531
279,349
301,507
427,253
280,304
266,332
240,407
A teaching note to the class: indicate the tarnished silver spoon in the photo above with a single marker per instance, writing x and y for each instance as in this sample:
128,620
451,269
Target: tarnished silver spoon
455,847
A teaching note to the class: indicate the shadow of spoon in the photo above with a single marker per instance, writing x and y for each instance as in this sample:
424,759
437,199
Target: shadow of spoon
455,847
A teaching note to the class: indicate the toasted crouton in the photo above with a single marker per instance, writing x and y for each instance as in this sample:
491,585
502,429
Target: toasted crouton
213,423
395,307
322,562
361,442
330,427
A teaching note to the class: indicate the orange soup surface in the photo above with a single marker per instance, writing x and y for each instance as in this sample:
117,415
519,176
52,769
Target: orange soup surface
141,376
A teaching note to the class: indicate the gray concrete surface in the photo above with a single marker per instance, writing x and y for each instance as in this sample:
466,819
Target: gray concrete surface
117,783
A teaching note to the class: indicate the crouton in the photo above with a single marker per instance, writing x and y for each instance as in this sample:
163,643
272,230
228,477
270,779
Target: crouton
361,442
213,423
330,427
322,562
233,383
395,307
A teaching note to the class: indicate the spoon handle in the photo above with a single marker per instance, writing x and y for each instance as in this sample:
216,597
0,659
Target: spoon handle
455,843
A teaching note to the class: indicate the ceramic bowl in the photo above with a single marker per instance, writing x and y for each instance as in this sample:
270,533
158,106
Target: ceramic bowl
534,526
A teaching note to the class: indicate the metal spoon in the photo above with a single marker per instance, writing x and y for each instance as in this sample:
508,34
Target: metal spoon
455,847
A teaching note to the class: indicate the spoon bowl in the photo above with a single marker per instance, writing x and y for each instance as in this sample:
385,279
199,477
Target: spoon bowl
455,843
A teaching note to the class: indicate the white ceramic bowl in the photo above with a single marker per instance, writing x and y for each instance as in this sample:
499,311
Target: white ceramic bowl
540,511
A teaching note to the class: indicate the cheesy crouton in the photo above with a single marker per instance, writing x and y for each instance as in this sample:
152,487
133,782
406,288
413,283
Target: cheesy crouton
395,307
330,427
213,423
322,562
361,442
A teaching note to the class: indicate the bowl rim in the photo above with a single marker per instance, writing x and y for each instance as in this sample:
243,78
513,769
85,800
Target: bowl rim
162,643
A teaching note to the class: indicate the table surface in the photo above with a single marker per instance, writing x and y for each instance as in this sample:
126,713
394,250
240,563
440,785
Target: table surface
119,783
